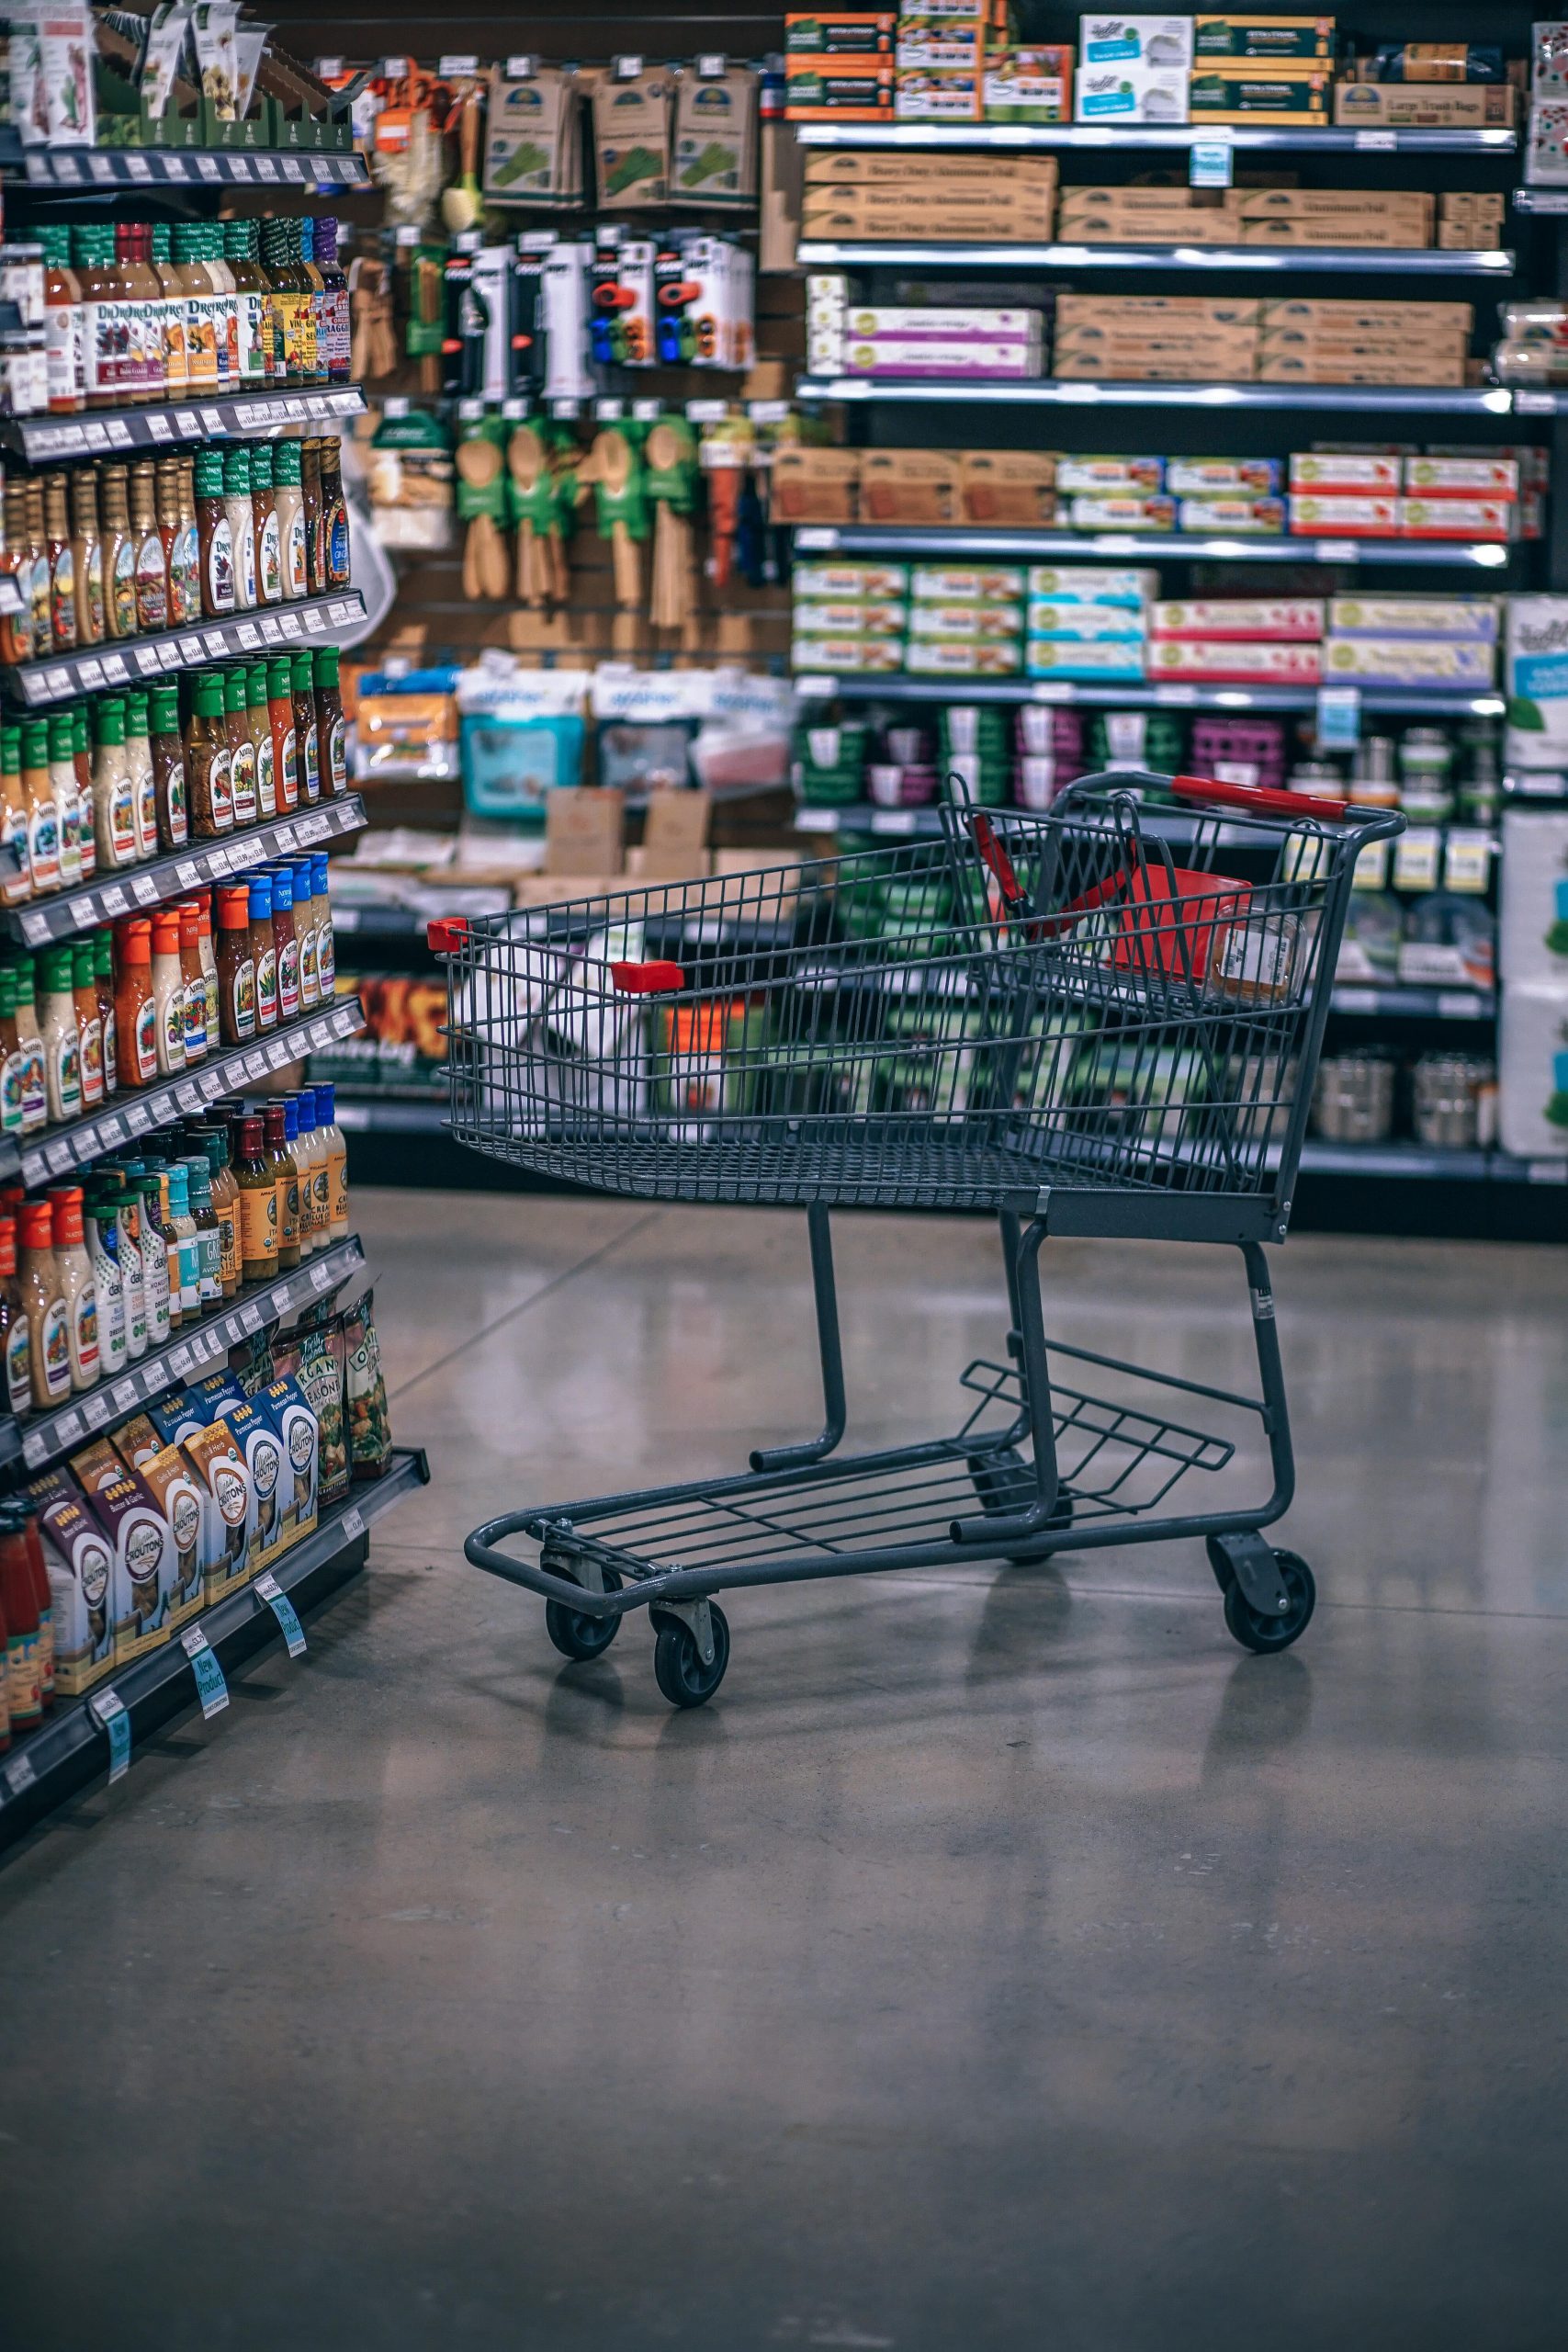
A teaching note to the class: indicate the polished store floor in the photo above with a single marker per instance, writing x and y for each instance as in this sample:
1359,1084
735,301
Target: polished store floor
1002,1960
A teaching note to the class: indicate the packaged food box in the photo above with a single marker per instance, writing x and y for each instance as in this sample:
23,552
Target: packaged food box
321,1373
1472,618
1533,932
1133,69
296,1425
841,32
79,1559
1392,106
855,656
814,485
1271,37
1285,619
1458,518
1532,1071
940,44
1223,663
943,657
1085,624
846,577
1113,511
255,1434
1350,472
1110,660
1139,474
1407,661
1009,487
819,617
1245,517
180,1495
1316,229
1033,84
1088,584
1153,312
1344,516
889,168
141,1580
938,323
910,486
973,618
838,89
97,1466
1296,367
1223,476
1478,477
137,1441
1537,682
964,362
950,583
1375,318
1264,95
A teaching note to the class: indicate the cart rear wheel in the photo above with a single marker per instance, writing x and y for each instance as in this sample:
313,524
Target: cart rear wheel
574,1633
1265,1634
678,1666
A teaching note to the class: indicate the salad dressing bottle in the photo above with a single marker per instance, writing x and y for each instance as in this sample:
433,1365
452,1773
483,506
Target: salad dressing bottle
260,720
195,979
29,1045
127,1208
288,500
81,760
113,807
87,557
43,1302
168,992
152,567
143,779
168,768
13,1066
73,1271
103,981
89,1024
118,555
68,812
136,1010
100,1232
43,815
61,1038
15,888
62,630
242,518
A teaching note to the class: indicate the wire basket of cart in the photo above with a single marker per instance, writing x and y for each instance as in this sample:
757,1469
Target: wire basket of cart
1101,1021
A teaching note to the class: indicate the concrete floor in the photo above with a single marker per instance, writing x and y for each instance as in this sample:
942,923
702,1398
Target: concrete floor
1002,1960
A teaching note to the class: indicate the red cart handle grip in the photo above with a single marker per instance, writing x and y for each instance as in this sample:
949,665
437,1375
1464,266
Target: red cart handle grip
648,979
1259,797
447,936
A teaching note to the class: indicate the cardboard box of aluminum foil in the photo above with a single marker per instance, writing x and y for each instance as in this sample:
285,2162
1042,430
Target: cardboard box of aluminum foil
1472,618
1407,661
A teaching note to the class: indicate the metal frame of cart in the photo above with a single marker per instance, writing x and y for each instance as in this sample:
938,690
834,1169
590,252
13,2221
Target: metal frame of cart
1080,1021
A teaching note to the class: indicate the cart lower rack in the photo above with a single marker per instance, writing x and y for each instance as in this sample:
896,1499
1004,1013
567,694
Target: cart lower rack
1083,1022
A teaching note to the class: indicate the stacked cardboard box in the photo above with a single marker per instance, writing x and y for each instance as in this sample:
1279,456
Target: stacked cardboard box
1286,91
1470,221
1303,216
1033,84
941,61
1114,493
1425,105
914,341
839,66
1154,337
849,617
1304,339
1163,216
1134,69
1365,494
1090,622
1442,641
1238,641
868,197
965,621
1273,40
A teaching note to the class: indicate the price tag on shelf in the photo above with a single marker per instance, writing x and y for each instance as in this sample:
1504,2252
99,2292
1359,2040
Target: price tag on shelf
1526,403
114,670
353,1520
110,1132
269,629
125,1393
35,1445
90,675
179,1359
96,1409
158,428
894,820
266,168
113,900
626,69
251,1315
101,168
144,888
321,1278
138,167
137,1116
211,1688
1375,142
19,1773
1338,718
1548,1172
1417,857
817,820
646,411
283,1608
207,166
1210,163
281,1051
35,928
186,873
147,659
246,633
188,1096
1459,1004
108,1711
68,1427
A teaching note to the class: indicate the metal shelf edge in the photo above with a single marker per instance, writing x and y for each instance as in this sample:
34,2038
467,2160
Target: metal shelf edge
893,538
136,659
1057,391
1133,138
812,253
49,440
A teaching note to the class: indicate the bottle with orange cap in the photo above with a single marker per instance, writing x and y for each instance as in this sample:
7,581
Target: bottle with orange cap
135,1007
236,968
45,1303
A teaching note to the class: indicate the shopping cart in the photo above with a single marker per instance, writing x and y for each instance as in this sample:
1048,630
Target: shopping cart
1103,1021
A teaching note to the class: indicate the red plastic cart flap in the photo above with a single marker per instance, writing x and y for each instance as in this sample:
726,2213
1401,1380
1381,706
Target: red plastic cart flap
445,937
648,979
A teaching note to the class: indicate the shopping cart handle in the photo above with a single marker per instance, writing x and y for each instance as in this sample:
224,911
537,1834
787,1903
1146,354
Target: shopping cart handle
447,936
1259,797
648,979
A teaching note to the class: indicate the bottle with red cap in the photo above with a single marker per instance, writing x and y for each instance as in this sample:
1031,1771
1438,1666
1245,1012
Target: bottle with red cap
44,1299
16,1332
18,1605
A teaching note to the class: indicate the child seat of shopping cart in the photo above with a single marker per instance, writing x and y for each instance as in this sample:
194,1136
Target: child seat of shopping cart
1102,1021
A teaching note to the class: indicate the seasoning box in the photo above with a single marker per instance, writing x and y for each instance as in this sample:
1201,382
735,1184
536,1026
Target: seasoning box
255,1434
228,1507
297,1425
177,1416
142,1579
97,1466
137,1441
179,1496
79,1558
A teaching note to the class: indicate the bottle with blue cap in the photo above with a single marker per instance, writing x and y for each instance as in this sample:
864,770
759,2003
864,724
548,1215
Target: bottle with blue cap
312,1153
337,1162
264,954
286,941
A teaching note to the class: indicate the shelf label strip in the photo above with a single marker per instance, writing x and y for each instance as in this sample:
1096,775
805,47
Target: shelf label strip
108,1711
211,1688
283,1608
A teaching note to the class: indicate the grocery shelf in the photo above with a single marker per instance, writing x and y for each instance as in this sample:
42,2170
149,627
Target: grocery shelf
42,1438
1428,1163
1394,1001
366,1114
1140,138
1530,402
1540,200
49,439
1056,391
1430,261
72,1748
51,1154
105,896
190,167
279,627
900,539
1388,701
378,922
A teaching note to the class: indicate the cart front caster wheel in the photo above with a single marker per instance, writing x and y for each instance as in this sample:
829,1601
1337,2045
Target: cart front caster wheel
1266,1634
678,1666
574,1633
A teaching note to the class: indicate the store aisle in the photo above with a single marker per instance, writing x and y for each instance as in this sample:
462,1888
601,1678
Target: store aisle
1001,1958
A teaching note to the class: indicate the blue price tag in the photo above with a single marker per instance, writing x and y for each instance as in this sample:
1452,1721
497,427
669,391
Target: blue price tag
108,1711
210,1687
1211,162
1338,718
283,1608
